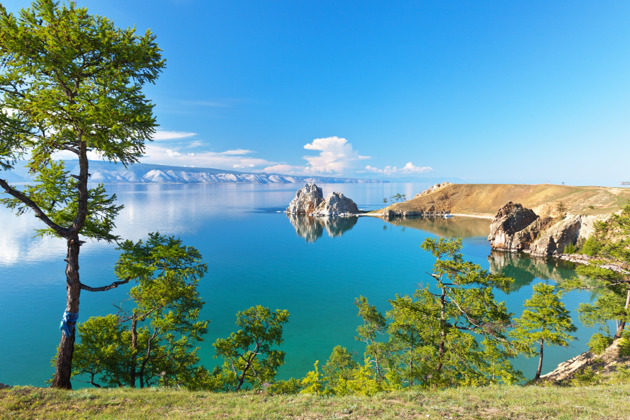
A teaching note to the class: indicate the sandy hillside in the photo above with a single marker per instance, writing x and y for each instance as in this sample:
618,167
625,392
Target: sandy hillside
544,199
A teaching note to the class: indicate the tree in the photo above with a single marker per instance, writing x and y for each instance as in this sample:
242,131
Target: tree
610,282
153,340
374,324
71,82
340,367
434,336
544,319
249,356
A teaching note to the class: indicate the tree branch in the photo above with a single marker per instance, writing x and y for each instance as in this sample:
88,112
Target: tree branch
104,288
39,213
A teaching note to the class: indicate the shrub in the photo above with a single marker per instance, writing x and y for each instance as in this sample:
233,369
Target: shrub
591,247
569,249
599,342
288,387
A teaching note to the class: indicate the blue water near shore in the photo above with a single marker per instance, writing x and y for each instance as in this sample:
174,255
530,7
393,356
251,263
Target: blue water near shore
256,255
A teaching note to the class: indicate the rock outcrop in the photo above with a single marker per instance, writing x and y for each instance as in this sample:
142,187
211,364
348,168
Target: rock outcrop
309,200
508,230
611,360
432,189
306,200
336,204
516,228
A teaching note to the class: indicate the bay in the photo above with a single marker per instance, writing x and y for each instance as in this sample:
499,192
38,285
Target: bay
256,255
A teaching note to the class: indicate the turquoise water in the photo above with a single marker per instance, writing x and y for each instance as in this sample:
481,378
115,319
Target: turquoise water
256,256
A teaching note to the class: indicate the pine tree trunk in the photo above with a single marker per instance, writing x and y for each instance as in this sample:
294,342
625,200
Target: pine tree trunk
73,291
542,341
134,348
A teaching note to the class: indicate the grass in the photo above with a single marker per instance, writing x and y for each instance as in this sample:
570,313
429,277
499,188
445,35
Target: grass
516,402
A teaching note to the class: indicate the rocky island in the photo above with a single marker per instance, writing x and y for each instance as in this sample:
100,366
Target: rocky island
310,201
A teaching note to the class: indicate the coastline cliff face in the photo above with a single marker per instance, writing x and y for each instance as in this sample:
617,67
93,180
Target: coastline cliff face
310,201
516,228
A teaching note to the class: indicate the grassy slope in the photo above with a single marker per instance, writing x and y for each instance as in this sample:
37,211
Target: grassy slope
490,402
487,199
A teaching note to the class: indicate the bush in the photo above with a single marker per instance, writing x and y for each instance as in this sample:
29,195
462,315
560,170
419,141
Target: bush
591,247
288,387
599,342
569,249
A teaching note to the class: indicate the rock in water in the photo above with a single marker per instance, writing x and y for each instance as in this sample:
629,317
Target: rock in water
337,204
306,200
508,229
310,201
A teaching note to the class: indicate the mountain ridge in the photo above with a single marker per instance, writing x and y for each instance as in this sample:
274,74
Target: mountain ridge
145,173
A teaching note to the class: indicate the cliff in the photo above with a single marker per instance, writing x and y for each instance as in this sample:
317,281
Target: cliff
516,228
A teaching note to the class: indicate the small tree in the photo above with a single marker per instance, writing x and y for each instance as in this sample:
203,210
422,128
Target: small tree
339,367
374,324
435,335
544,319
610,243
248,354
153,340
71,82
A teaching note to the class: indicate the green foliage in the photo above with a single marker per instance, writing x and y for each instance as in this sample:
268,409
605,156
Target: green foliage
289,387
599,342
569,249
454,337
339,367
312,383
591,246
545,319
374,326
152,342
611,242
624,344
71,82
249,354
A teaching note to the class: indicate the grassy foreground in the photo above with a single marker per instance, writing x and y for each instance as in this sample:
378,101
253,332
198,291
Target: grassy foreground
600,401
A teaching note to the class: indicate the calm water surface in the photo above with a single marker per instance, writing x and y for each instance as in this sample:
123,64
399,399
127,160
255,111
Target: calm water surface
256,255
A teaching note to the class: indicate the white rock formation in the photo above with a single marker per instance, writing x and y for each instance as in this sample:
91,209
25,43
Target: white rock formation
309,200
336,205
306,200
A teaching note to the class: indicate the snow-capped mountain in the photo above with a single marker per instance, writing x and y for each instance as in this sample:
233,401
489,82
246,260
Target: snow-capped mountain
110,173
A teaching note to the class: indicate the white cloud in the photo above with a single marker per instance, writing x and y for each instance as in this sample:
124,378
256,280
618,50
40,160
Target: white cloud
336,155
234,159
409,168
171,135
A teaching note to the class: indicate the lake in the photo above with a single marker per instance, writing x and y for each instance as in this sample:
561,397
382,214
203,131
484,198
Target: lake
256,255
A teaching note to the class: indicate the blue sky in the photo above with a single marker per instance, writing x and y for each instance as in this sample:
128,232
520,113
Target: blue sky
474,91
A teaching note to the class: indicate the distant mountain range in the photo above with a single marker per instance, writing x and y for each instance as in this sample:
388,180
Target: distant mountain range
143,173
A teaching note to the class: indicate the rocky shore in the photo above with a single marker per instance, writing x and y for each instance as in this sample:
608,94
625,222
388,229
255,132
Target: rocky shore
518,229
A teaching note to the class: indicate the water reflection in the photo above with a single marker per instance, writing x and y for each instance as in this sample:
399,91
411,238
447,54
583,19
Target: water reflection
524,268
312,228
455,227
